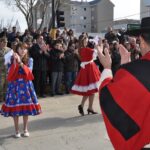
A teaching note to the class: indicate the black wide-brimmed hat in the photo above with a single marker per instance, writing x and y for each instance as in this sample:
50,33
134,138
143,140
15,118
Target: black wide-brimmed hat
144,27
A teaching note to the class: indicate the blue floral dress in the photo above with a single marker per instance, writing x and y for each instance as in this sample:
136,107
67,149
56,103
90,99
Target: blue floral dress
21,98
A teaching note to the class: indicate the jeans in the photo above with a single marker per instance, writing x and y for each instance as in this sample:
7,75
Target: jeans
69,80
56,80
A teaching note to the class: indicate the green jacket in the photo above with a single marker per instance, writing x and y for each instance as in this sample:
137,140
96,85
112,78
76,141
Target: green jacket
3,73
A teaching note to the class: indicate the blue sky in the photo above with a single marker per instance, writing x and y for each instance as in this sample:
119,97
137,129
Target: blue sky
123,9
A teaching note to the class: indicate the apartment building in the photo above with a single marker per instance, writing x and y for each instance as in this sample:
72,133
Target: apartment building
144,8
83,16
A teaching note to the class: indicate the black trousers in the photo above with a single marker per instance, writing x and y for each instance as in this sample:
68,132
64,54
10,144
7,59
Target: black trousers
39,81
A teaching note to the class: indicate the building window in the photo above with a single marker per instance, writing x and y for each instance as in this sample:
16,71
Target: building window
92,9
84,9
84,18
81,17
74,8
84,26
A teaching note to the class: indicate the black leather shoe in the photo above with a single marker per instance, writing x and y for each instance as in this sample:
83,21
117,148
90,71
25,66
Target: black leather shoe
52,95
67,92
91,111
80,108
59,93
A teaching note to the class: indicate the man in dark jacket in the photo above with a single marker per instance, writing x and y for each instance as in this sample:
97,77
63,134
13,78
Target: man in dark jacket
71,65
110,36
39,53
57,68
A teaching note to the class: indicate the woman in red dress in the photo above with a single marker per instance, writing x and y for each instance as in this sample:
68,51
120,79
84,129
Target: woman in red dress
88,79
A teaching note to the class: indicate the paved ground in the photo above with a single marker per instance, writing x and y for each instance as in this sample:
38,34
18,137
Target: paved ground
59,127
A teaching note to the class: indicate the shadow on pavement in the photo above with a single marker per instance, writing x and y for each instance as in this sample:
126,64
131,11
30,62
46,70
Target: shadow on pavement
53,123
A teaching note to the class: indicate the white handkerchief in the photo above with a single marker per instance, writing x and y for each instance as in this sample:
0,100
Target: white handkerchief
7,57
95,40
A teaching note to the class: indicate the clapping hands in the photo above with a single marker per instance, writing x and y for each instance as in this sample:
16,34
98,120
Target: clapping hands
61,56
17,58
44,48
125,55
105,57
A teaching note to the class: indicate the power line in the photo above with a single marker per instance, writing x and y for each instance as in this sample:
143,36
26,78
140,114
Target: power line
108,20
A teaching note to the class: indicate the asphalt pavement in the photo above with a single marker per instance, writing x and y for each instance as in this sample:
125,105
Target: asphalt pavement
59,127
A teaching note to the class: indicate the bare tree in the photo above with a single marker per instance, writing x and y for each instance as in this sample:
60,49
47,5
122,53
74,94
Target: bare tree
56,6
26,7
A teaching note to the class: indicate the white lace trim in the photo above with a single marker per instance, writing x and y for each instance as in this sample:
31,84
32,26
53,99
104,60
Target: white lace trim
91,86
85,63
16,105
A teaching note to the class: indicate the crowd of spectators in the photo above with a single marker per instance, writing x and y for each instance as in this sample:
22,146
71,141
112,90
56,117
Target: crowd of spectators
57,62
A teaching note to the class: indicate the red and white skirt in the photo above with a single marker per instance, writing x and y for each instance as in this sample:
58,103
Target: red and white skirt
87,81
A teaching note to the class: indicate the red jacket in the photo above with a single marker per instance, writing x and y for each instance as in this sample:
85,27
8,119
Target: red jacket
14,75
125,104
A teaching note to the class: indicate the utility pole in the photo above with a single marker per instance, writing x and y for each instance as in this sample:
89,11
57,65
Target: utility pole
53,14
53,30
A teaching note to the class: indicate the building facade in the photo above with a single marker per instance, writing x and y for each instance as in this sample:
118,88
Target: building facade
102,15
122,24
144,8
92,16
81,16
77,16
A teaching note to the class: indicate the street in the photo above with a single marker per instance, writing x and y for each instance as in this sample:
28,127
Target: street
59,127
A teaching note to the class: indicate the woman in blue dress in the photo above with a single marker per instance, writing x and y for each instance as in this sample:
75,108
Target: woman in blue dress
21,99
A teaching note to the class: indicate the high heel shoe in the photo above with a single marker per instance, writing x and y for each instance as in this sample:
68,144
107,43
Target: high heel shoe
91,111
80,108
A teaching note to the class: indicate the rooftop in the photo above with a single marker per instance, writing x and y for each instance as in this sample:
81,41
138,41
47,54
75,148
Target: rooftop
94,2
